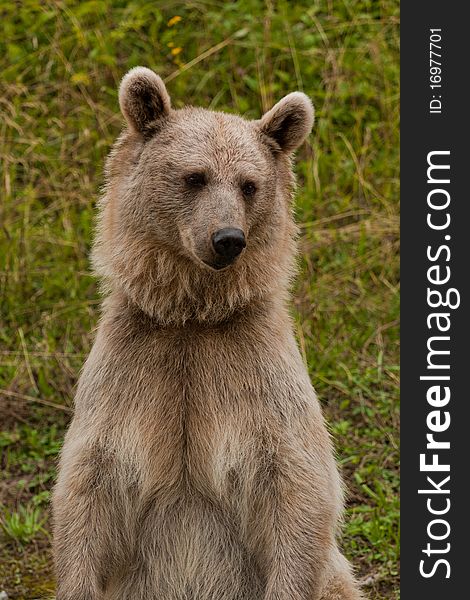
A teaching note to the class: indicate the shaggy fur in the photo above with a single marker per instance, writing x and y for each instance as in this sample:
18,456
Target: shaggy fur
197,465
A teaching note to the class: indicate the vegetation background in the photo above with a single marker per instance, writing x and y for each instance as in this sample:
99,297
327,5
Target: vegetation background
61,62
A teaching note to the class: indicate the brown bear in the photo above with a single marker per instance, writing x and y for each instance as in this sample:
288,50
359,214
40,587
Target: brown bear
197,465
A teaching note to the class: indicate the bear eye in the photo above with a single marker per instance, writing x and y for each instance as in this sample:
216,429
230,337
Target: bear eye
249,188
196,180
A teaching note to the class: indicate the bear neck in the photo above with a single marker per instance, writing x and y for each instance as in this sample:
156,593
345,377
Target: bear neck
174,291
117,307
180,304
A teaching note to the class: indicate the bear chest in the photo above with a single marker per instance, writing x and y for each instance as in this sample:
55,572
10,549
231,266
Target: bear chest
203,420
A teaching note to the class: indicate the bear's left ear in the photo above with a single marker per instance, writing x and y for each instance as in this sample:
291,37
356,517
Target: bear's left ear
143,99
289,122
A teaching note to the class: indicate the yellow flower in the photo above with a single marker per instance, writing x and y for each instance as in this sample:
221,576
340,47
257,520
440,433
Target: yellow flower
80,78
176,50
174,20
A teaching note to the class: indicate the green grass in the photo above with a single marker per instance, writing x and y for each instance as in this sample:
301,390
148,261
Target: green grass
61,62
22,526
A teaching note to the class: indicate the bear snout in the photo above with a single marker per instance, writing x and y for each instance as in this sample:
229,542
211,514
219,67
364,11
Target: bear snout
228,243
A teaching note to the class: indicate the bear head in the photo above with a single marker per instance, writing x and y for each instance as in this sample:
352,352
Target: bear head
196,217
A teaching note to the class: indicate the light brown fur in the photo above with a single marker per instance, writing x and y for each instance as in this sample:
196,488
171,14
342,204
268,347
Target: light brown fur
197,465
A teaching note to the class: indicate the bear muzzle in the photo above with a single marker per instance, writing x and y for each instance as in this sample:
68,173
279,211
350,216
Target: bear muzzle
228,243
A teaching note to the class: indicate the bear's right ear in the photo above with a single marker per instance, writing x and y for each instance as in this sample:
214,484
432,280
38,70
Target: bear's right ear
143,99
289,122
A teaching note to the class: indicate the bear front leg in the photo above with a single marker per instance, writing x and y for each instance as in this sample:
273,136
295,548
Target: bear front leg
292,530
340,583
88,528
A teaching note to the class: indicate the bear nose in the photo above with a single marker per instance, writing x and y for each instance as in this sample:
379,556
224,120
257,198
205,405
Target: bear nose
228,242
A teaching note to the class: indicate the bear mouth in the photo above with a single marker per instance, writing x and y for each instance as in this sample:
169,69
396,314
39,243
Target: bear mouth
218,265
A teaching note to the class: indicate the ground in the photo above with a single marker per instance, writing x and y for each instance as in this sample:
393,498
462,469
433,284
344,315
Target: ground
61,62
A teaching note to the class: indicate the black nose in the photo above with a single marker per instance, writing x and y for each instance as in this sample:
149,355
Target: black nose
228,243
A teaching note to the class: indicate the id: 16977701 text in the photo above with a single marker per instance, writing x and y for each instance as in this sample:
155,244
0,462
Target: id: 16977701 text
435,70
